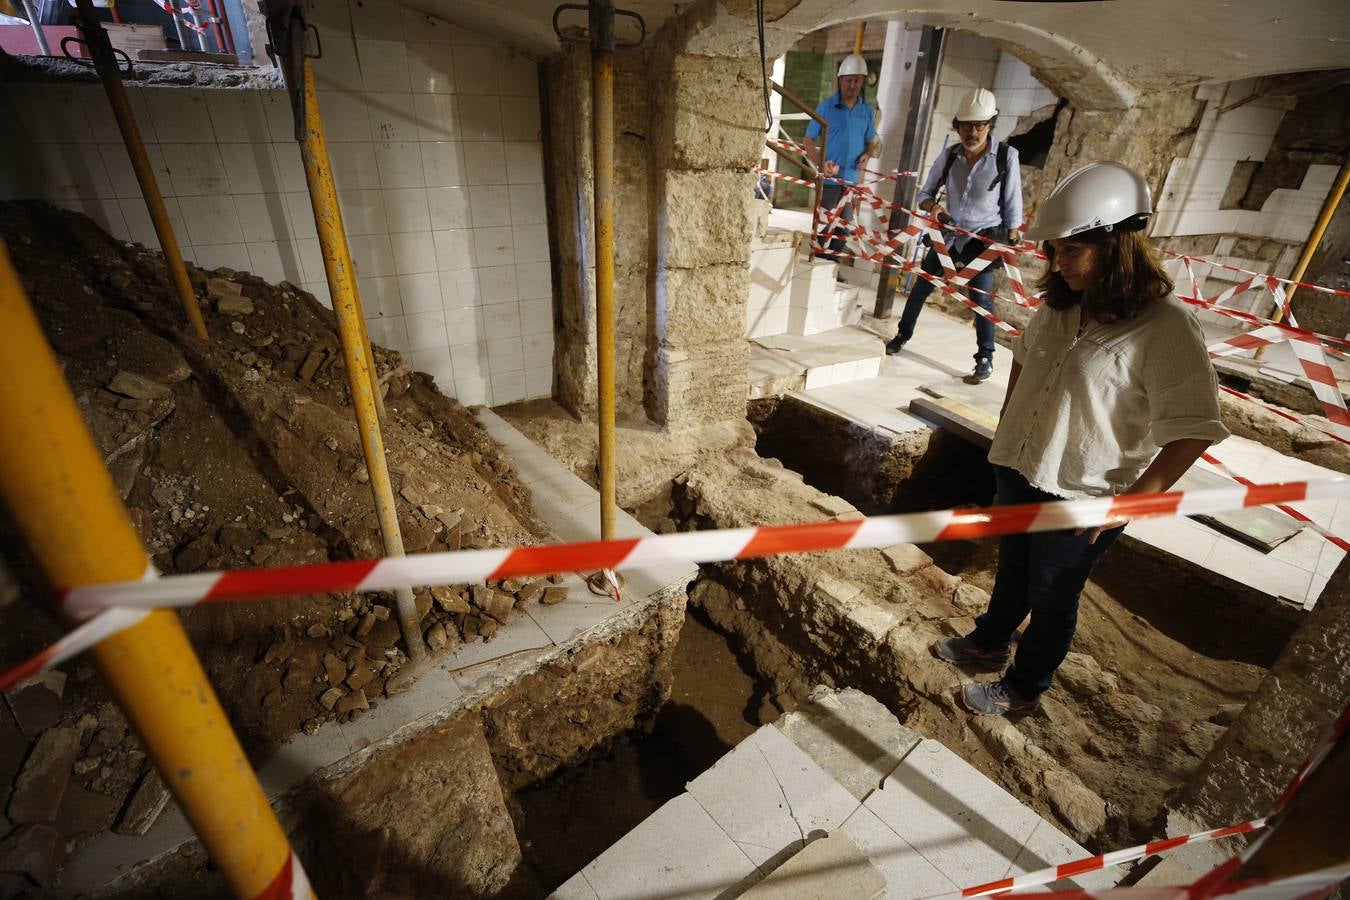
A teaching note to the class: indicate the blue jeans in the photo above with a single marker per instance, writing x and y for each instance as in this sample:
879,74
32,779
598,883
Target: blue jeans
1043,574
982,294
829,197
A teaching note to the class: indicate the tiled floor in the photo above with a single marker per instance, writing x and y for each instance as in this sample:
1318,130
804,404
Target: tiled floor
565,504
943,346
934,825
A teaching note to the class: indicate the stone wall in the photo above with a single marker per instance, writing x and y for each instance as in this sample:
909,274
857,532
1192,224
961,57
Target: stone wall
1305,690
687,130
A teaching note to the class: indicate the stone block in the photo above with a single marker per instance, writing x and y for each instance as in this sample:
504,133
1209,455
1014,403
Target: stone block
967,826
41,785
1048,846
716,113
833,866
851,736
699,387
701,306
907,872
34,850
145,806
767,793
37,704
704,218
906,559
681,842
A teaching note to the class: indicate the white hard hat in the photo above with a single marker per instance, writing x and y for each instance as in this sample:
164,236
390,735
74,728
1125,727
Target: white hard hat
1098,195
978,106
853,64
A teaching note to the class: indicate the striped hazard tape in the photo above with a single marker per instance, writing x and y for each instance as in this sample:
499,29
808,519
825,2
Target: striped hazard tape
291,883
1100,861
470,566
1282,507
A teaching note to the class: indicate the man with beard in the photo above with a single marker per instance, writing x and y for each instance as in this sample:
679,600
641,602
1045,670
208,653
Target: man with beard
983,187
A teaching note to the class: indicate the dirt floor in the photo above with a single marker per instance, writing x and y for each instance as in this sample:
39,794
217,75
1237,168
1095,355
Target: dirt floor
235,452
1163,689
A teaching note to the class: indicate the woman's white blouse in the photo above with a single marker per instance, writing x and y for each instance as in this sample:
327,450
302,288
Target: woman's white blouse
1090,412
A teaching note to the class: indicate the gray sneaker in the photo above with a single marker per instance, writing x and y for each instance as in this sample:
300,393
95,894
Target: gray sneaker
964,651
996,699
984,369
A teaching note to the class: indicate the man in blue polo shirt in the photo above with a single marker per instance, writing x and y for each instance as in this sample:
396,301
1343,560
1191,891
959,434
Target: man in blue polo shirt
983,187
852,138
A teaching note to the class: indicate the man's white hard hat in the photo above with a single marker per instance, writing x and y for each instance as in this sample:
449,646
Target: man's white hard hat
1097,195
853,64
978,106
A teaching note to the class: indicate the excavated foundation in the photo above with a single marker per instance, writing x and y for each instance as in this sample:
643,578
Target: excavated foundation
1147,689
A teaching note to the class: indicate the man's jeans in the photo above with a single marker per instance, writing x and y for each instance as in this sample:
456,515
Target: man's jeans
1041,573
982,286
829,198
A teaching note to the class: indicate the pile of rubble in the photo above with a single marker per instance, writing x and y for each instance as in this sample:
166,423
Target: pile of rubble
234,452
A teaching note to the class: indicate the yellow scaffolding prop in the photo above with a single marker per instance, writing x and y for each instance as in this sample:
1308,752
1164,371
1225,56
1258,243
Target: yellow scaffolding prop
62,499
100,48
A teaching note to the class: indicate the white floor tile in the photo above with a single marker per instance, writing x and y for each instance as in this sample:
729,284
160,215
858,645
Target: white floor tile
768,795
908,875
581,611
677,851
519,634
965,825
1048,846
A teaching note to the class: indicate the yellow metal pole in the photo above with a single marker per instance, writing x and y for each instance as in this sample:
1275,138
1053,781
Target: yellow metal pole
100,48
602,154
1310,248
337,264
858,38
61,497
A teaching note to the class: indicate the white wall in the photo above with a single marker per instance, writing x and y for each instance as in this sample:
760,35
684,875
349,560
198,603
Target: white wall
434,137
970,62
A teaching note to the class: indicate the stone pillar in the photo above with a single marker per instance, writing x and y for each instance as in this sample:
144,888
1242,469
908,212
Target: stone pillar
571,206
707,133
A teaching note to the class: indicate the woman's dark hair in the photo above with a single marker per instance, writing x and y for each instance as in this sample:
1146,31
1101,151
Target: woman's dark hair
1128,276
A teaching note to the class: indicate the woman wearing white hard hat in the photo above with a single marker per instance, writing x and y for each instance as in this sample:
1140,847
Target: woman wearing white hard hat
1111,392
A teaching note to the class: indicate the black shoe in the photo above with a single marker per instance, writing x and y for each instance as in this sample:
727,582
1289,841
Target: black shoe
894,346
984,368
964,651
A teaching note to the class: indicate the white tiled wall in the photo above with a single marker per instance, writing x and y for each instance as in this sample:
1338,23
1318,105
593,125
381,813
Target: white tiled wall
968,62
1192,193
434,137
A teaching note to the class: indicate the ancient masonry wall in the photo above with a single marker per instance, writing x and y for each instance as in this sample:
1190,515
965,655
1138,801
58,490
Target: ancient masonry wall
1296,703
688,130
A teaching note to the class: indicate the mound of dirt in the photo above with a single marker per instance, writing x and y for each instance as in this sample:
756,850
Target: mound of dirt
234,452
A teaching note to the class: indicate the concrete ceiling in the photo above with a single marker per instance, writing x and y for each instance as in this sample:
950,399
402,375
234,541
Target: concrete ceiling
1102,53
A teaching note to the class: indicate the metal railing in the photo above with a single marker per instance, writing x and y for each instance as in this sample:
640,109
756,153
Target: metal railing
824,140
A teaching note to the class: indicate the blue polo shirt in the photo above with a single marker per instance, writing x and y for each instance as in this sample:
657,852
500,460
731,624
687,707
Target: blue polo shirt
850,130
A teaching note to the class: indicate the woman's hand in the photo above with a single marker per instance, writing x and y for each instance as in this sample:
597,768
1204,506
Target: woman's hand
1108,525
1169,465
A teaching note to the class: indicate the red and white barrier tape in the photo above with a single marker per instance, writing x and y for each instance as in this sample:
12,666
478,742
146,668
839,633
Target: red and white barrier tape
291,883
472,566
1282,507
1282,413
1100,861
85,635
182,19
1225,266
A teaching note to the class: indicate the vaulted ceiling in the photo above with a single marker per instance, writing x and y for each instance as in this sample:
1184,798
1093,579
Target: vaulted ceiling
1099,52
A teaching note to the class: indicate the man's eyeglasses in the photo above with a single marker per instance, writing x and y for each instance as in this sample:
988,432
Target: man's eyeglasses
972,126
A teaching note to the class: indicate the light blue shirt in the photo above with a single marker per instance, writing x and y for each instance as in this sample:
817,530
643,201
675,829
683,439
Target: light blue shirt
850,130
969,198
